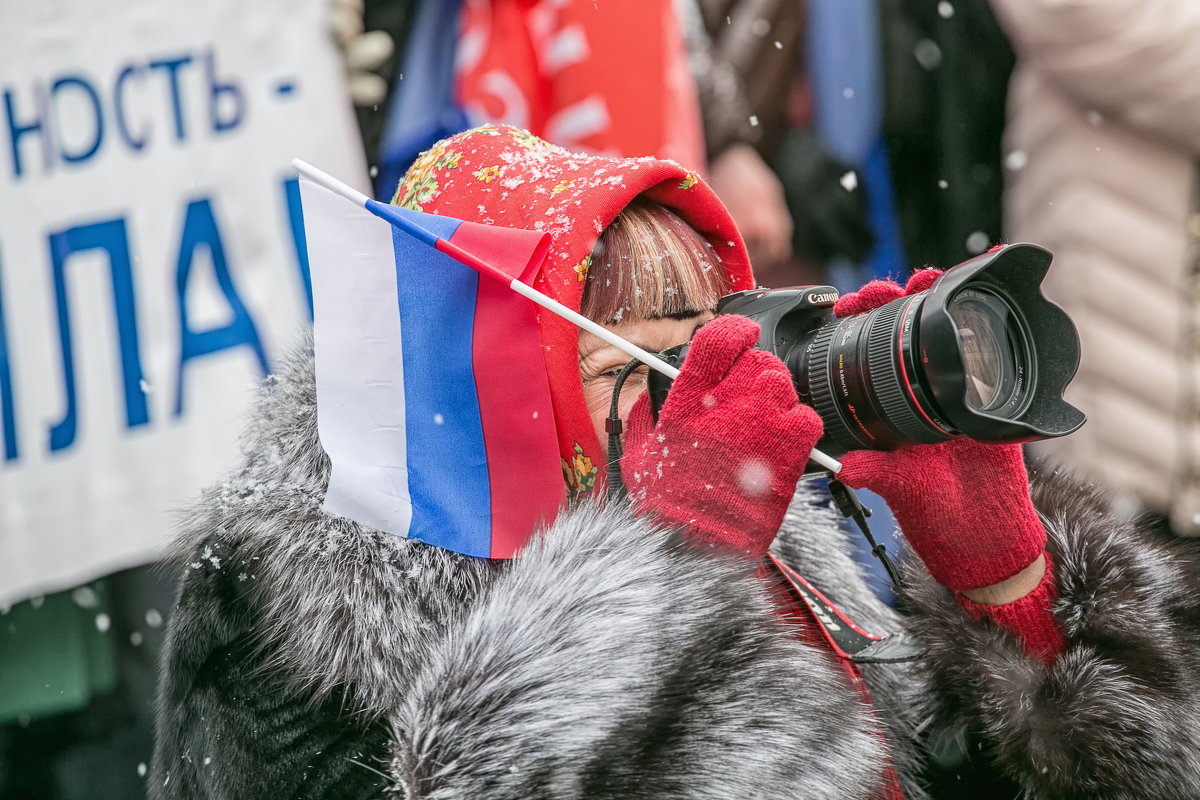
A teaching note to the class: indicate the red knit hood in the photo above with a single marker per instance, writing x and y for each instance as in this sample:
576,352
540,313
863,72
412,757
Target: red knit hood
499,175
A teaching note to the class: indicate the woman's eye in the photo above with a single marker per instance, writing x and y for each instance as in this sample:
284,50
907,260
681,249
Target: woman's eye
606,377
635,377
612,373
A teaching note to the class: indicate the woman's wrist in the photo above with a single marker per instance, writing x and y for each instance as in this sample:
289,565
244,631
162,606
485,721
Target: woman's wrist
1011,589
1024,612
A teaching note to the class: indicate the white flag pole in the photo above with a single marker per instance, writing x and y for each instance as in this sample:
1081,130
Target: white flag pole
327,181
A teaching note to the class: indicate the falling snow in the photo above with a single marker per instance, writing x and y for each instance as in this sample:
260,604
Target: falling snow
1016,160
754,476
85,597
977,242
928,54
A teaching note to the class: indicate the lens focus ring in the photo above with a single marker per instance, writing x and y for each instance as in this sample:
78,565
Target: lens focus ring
890,389
822,397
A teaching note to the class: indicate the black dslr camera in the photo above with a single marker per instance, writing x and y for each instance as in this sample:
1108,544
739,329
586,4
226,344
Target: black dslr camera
981,354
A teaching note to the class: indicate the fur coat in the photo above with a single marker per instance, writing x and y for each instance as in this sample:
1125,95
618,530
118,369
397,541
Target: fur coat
309,657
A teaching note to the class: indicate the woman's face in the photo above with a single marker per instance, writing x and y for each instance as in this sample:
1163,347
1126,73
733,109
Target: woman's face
599,362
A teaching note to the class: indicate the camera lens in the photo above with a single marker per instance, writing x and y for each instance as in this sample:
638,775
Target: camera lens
981,353
917,370
992,349
866,376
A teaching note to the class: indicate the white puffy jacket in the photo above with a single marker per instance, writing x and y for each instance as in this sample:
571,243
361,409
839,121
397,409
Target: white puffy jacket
1101,147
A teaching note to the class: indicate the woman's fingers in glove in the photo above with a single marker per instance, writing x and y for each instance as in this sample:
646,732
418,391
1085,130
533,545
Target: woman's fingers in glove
639,423
873,295
716,347
879,293
980,460
921,280
768,378
895,474
722,364
928,470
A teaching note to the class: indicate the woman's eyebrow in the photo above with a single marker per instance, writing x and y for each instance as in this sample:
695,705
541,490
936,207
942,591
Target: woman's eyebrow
602,351
607,351
586,354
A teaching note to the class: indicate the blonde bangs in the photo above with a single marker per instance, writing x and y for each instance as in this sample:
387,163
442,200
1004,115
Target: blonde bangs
650,264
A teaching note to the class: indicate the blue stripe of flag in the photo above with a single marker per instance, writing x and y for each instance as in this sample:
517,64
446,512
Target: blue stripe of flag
447,458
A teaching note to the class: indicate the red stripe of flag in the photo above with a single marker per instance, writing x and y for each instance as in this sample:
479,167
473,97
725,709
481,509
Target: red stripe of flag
524,469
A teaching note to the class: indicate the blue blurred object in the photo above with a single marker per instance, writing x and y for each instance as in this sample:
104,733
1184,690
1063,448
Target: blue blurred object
422,109
845,70
887,258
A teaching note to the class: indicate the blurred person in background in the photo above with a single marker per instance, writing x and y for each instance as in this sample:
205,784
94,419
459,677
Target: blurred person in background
946,67
1103,147
766,160
853,139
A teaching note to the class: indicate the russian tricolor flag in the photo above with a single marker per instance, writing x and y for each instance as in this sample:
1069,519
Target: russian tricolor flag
432,397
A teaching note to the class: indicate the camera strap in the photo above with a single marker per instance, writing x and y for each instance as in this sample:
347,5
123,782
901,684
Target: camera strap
847,640
616,486
852,508
852,646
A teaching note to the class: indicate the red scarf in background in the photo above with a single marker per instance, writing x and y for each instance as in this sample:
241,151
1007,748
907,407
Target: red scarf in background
609,78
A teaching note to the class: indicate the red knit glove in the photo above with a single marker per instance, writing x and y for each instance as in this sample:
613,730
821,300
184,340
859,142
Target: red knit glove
731,442
963,506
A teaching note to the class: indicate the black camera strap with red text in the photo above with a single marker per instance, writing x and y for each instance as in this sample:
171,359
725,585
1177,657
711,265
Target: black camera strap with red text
846,639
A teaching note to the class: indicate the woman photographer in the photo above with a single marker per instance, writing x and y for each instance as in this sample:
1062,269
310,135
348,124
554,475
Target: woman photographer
646,649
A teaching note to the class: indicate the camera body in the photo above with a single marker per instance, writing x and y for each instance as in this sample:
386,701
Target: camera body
789,317
982,353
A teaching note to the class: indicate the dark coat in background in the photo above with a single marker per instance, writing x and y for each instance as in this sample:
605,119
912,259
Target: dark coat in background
310,657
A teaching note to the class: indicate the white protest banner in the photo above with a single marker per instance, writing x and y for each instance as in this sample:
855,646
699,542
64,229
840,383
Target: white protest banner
151,259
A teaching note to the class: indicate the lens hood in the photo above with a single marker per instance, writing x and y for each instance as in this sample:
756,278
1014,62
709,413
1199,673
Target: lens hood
1041,334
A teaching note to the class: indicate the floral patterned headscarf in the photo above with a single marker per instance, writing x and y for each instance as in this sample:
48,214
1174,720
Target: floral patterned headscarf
500,175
